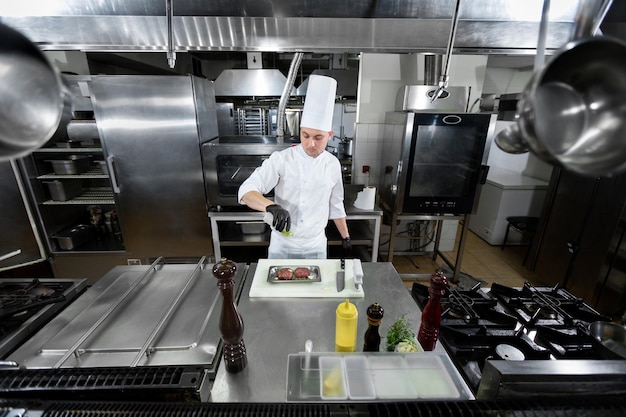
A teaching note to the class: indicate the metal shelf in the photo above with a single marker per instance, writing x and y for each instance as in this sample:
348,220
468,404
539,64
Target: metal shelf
68,150
88,197
227,232
93,173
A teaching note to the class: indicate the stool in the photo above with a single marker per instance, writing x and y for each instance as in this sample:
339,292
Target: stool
526,225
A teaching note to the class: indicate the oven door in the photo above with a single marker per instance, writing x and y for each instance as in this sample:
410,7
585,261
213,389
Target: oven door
443,157
229,160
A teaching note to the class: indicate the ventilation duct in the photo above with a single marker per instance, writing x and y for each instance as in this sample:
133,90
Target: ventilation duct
432,69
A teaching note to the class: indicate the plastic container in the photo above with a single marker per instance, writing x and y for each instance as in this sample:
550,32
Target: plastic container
345,327
390,378
358,378
332,378
429,378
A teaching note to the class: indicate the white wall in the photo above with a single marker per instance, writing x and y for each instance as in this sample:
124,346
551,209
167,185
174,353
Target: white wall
69,61
500,81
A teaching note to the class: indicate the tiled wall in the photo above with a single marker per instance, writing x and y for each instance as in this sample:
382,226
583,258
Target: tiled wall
368,145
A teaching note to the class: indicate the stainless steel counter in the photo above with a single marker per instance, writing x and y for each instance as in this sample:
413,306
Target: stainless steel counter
364,226
275,328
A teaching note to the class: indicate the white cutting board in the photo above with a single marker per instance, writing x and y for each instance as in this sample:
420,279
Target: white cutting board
327,287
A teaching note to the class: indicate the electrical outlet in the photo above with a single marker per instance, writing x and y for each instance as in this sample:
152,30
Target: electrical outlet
366,168
133,261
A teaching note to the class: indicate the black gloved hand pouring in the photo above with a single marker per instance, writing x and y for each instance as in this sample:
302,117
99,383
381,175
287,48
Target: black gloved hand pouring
281,219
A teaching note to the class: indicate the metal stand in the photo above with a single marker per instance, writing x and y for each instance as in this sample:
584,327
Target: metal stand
395,218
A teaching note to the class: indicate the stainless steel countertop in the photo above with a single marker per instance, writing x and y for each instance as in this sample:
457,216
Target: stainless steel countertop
275,328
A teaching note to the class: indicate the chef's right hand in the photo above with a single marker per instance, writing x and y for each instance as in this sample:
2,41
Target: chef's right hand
281,221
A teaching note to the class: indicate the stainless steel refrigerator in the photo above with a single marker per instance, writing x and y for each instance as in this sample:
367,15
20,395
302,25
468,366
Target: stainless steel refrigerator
144,168
151,129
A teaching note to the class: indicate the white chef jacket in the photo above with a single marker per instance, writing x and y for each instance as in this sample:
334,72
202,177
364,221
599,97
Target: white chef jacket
310,189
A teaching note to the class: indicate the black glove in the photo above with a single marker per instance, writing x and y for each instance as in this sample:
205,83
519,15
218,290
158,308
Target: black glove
346,248
281,221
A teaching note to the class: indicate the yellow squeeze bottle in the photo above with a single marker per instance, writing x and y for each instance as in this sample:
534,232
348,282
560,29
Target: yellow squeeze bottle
346,327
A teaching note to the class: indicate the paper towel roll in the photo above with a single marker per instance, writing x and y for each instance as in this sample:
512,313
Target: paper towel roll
365,199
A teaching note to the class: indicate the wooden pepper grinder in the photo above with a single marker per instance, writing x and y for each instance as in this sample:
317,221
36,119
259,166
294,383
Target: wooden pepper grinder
431,316
231,324
372,337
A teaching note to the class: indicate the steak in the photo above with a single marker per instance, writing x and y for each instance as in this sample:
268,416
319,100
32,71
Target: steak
284,273
302,272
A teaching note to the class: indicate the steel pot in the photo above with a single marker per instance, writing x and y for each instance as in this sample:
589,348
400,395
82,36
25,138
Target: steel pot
573,112
610,338
33,98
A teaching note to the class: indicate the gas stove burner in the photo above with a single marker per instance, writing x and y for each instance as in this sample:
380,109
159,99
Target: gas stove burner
17,300
540,310
459,306
509,352
26,304
458,299
546,300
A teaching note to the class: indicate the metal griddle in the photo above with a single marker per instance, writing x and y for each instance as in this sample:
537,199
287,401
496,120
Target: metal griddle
136,316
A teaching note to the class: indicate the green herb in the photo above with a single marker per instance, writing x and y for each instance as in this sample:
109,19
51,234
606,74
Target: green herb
399,331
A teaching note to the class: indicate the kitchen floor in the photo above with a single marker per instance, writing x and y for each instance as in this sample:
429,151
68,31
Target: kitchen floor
480,260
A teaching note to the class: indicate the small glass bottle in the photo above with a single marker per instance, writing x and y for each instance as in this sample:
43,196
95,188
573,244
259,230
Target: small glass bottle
431,315
371,341
345,327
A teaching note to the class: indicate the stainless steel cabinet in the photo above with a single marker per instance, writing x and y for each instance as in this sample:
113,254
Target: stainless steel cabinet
70,186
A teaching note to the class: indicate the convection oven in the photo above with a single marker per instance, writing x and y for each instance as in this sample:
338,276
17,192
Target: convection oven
229,160
434,166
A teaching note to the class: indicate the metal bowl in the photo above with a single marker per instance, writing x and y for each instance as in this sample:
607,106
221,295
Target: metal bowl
510,140
573,112
33,100
610,336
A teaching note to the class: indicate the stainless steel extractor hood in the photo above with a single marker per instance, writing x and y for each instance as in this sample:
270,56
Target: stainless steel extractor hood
484,26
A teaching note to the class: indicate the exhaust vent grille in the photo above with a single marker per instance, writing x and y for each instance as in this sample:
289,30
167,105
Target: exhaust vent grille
99,378
188,410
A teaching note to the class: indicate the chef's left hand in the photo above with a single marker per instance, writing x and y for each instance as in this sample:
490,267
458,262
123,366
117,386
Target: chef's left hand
346,248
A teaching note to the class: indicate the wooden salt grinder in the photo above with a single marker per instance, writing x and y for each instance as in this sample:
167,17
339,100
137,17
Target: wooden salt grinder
231,324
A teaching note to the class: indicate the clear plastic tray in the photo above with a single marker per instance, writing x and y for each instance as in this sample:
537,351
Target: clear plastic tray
373,377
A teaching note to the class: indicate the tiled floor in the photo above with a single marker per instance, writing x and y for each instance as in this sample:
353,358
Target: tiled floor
480,260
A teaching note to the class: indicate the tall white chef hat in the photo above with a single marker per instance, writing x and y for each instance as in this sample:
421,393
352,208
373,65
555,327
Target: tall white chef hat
319,103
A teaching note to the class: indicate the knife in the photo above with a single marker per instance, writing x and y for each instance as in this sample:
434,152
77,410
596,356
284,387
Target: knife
341,276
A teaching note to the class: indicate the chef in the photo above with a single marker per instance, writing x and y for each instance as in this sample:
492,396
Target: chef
307,183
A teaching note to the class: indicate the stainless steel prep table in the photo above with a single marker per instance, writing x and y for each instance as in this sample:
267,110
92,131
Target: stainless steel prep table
361,231
275,328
